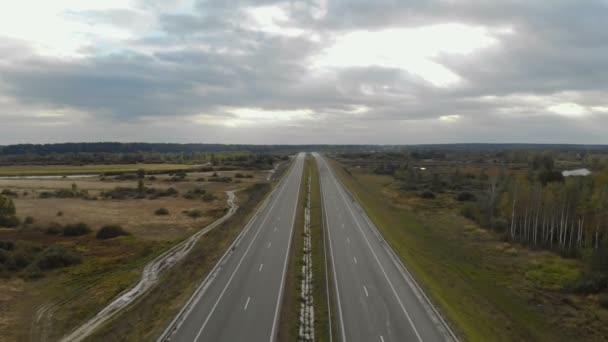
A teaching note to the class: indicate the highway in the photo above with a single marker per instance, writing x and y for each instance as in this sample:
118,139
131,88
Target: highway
240,300
376,299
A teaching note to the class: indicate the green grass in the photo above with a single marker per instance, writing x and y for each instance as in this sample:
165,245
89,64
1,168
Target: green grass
485,289
50,170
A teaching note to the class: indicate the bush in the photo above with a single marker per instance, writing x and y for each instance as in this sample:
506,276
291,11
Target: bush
195,213
603,300
54,229
470,211
465,196
208,197
60,213
32,272
57,257
9,222
7,245
110,231
7,212
9,193
76,229
427,195
28,220
161,212
500,224
590,283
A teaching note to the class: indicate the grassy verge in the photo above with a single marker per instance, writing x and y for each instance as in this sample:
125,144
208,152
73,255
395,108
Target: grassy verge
148,317
290,308
489,290
320,295
80,291
49,170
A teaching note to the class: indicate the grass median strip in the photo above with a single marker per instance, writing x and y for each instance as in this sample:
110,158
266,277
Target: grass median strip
320,294
290,307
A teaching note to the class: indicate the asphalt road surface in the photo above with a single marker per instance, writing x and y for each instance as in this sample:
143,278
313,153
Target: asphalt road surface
241,301
376,298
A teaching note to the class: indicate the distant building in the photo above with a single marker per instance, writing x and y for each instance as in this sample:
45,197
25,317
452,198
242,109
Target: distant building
576,173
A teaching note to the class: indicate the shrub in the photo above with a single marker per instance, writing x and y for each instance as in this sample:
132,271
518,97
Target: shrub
9,222
28,220
169,192
7,212
239,175
603,300
76,229
7,245
208,197
200,179
500,224
195,213
32,272
9,193
60,213
465,196
110,231
57,257
590,283
54,229
161,212
470,211
427,195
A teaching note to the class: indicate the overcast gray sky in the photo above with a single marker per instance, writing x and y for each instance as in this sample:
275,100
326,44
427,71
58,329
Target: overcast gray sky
308,71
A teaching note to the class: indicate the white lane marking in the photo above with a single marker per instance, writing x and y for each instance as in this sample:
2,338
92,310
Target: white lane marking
260,269
200,331
286,257
342,225
333,263
381,338
270,243
247,304
365,289
348,240
355,259
275,229
348,205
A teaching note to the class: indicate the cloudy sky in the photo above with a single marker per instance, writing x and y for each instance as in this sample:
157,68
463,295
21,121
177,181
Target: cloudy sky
307,71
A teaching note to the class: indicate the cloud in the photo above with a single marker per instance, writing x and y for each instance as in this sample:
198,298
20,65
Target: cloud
310,71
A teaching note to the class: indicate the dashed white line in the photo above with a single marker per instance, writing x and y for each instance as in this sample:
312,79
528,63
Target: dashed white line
270,243
348,240
247,304
348,206
381,338
365,289
354,258
275,229
261,266
342,225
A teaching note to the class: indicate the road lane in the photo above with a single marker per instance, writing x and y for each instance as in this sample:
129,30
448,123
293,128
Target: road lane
377,300
240,301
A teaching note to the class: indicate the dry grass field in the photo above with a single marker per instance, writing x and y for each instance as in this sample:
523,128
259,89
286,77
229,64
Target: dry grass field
108,266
